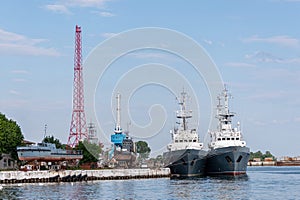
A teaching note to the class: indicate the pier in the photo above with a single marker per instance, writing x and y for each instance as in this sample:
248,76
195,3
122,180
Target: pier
11,177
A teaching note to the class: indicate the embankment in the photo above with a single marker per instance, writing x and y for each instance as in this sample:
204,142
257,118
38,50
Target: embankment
9,177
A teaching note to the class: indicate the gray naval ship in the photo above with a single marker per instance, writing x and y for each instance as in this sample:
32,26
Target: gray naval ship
185,156
47,152
228,154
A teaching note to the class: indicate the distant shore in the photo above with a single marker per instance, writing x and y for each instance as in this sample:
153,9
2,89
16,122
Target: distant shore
275,163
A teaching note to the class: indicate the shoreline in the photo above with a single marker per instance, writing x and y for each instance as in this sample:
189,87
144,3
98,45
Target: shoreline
274,163
11,177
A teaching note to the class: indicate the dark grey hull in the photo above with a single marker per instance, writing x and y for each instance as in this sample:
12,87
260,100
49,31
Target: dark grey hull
185,163
227,161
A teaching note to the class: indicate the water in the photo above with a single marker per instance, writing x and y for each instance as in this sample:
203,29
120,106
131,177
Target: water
259,183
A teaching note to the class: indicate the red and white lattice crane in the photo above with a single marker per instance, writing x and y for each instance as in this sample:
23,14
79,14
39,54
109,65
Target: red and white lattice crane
78,128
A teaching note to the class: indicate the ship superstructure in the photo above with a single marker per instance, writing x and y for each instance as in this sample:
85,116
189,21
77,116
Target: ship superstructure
185,156
228,152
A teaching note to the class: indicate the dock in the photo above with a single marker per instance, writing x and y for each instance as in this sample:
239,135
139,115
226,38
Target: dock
11,177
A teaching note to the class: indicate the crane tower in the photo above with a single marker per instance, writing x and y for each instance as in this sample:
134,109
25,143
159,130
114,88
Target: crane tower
78,128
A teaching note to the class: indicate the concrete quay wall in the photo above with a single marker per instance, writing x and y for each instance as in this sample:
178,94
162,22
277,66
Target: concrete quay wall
80,175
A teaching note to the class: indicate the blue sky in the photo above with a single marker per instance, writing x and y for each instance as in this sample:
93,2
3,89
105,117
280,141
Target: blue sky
254,44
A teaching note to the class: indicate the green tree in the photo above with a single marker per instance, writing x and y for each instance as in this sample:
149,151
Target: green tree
257,154
260,155
143,149
268,155
52,140
90,151
10,136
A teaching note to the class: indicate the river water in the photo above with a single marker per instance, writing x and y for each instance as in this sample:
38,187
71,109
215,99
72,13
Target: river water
259,183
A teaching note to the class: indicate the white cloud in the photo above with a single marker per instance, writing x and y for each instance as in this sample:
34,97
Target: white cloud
269,96
14,92
239,64
269,122
20,72
282,40
208,41
85,3
256,122
58,8
297,119
261,56
16,44
108,35
103,13
10,37
106,14
63,6
280,121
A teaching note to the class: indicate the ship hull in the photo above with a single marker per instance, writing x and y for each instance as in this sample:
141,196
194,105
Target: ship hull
61,157
227,161
45,154
186,162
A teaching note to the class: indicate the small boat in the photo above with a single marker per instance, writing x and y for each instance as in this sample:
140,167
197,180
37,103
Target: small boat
47,152
185,156
228,154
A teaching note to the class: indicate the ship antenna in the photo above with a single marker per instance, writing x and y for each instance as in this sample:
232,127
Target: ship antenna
219,111
183,113
45,133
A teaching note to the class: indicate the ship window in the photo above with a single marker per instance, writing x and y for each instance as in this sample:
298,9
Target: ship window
194,140
176,140
185,140
223,138
190,140
219,139
181,141
192,163
239,159
232,138
228,138
228,159
237,138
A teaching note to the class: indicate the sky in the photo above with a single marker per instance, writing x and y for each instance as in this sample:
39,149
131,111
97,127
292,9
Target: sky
255,46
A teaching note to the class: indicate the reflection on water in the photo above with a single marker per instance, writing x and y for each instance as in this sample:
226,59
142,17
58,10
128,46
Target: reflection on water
231,187
260,183
218,187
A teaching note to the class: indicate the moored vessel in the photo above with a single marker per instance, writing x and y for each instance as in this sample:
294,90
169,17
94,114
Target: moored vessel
185,156
47,152
228,154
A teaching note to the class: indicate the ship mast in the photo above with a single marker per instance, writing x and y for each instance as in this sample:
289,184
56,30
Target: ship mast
226,96
224,115
183,113
45,131
118,128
